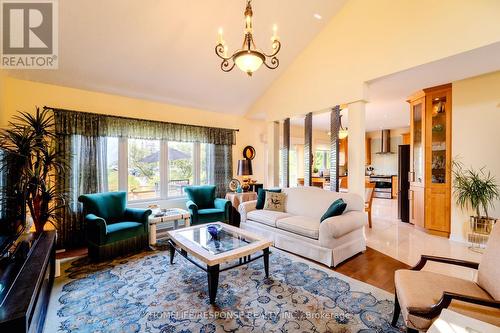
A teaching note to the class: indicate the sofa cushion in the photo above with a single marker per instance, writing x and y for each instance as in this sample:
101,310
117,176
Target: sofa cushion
300,225
313,201
335,209
267,217
422,289
261,196
275,201
203,196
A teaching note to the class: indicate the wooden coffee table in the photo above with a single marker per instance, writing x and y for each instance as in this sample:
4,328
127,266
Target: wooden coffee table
233,244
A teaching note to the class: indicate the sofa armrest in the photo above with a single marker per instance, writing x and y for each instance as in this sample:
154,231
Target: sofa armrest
246,207
338,226
96,228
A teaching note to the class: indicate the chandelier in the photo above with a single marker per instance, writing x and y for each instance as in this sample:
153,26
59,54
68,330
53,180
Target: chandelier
248,58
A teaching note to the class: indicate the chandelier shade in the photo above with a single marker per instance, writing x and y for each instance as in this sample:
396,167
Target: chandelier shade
248,59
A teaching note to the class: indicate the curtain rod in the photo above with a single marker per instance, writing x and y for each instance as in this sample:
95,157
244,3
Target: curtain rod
131,118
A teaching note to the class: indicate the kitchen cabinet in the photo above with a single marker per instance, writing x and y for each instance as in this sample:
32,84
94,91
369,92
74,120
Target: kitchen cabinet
343,152
406,138
344,182
430,159
395,186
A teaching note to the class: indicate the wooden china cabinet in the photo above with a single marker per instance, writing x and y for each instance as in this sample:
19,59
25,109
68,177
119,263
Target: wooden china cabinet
430,159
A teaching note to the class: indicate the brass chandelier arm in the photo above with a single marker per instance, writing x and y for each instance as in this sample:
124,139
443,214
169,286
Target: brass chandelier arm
225,65
276,47
274,63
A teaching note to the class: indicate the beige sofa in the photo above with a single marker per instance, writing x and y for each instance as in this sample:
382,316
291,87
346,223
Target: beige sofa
299,230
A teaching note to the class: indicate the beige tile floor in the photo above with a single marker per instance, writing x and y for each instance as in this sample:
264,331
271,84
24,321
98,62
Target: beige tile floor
405,243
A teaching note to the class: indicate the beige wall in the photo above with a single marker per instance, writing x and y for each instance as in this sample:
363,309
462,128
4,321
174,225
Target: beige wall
476,138
25,95
368,39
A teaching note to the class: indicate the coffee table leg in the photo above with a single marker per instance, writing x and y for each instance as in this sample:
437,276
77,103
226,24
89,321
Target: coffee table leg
213,282
266,261
172,252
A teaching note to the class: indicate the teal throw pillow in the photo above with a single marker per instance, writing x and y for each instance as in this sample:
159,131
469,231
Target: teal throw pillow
335,209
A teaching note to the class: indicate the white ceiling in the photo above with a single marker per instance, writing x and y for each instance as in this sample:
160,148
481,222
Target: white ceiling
163,50
387,95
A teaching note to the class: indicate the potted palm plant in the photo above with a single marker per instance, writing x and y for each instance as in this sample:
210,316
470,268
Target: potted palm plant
28,143
476,190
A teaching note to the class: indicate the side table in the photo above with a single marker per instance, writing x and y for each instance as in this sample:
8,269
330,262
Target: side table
235,199
157,224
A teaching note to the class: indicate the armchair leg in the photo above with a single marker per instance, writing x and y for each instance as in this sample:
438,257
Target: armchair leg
397,312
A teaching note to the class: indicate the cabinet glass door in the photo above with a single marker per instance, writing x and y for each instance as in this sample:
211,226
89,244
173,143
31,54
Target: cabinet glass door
418,147
438,147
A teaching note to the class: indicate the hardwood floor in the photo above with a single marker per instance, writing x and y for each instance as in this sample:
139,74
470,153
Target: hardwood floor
371,267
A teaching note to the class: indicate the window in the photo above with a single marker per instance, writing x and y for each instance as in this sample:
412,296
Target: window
153,169
180,167
321,160
112,164
143,169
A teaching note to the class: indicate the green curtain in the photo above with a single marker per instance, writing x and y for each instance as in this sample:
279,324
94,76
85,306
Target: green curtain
82,123
221,168
81,139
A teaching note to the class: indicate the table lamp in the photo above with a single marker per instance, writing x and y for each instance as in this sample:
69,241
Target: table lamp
245,170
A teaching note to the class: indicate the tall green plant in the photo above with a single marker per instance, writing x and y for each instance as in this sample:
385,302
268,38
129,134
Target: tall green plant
28,141
475,189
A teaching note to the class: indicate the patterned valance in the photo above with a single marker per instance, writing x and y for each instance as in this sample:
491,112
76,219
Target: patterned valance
91,124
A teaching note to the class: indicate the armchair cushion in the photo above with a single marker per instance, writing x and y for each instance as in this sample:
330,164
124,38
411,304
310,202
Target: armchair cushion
123,230
203,196
422,289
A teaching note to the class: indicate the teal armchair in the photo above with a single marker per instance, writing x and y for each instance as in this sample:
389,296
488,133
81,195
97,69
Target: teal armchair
204,206
112,228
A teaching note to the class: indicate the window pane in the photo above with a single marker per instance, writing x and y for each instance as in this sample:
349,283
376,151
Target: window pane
180,158
204,164
112,164
143,169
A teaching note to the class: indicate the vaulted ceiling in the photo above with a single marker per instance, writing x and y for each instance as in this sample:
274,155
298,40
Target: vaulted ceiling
163,50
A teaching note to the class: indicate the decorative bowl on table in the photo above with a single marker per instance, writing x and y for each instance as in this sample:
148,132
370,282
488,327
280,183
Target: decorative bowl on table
213,230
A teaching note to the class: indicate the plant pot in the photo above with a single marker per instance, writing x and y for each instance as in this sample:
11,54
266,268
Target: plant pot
481,224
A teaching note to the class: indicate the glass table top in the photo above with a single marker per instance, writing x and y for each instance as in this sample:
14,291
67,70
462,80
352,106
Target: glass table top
225,240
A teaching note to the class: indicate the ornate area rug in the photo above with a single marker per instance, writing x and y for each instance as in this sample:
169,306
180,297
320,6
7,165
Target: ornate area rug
144,293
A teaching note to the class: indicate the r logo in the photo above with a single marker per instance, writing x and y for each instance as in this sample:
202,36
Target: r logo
27,28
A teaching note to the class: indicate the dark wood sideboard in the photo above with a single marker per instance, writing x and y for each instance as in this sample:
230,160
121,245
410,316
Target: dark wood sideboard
25,306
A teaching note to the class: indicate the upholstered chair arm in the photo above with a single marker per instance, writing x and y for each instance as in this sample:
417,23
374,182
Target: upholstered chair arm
138,215
193,209
96,228
445,301
246,207
223,204
457,262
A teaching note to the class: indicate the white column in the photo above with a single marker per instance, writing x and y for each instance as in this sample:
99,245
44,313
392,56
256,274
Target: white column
356,151
273,154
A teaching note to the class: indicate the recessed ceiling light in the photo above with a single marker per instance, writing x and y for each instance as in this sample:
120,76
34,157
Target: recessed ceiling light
317,16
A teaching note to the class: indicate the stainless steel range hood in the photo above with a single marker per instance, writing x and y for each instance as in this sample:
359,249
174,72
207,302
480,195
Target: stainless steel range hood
385,143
